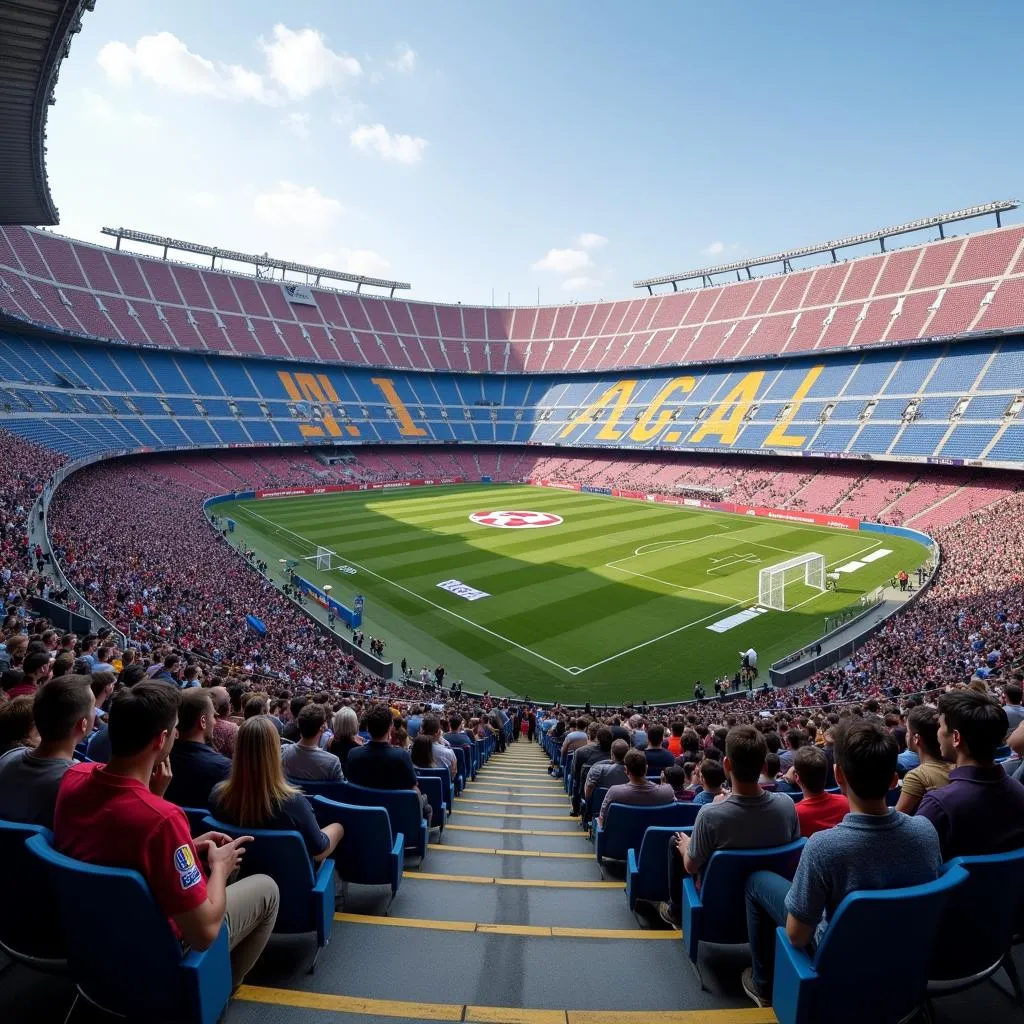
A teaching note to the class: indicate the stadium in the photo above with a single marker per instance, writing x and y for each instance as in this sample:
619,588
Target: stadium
744,543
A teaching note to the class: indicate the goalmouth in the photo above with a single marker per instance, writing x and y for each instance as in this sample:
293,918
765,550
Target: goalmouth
771,581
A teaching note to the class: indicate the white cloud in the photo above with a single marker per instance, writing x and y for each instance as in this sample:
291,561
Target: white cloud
580,284
96,106
590,240
291,205
563,261
375,138
301,62
714,249
166,61
405,62
297,124
201,200
355,261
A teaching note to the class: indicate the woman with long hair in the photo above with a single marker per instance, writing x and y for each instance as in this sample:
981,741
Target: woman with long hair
257,795
422,752
345,726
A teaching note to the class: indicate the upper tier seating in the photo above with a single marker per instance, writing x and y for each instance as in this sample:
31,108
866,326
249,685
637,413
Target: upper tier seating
955,286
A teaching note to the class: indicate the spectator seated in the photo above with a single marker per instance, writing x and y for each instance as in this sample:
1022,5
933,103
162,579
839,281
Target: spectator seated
842,980
137,972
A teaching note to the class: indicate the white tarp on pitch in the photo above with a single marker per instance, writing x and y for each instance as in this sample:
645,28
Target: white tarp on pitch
722,625
463,590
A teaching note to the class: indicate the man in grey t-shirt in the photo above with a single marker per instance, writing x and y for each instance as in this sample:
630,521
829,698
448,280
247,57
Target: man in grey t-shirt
873,847
608,773
305,761
746,819
64,710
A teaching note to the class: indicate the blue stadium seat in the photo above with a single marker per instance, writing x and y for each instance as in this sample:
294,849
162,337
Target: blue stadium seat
307,889
369,853
625,826
985,907
646,872
402,805
137,972
842,980
431,786
445,778
29,930
717,911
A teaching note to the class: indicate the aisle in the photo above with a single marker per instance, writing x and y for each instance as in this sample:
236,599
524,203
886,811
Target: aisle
507,920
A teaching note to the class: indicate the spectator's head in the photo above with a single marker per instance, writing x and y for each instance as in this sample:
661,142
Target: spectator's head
64,710
422,751
674,776
378,722
431,726
132,674
36,666
971,727
142,721
258,704
1013,694
923,731
772,766
312,721
102,686
196,716
796,738
455,723
713,775
295,706
745,752
866,754
345,724
604,739
221,701
17,725
619,749
655,737
678,725
811,766
256,787
62,665
635,764
10,678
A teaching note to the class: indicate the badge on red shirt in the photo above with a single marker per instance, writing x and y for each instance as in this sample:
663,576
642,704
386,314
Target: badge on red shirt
185,864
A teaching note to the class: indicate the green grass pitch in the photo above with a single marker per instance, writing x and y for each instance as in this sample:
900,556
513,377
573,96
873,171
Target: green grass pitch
613,603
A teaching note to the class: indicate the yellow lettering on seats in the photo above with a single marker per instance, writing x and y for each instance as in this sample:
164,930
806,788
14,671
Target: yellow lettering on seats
620,393
778,438
644,430
727,419
317,390
406,427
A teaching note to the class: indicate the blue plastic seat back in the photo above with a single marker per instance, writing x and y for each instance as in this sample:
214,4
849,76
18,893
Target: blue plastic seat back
445,778
29,923
851,967
196,819
462,760
431,785
594,801
650,879
402,805
133,970
723,917
282,855
331,790
363,855
986,908
625,825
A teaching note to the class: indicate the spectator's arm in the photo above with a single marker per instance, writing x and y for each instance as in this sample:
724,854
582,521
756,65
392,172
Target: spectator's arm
1016,740
798,932
591,783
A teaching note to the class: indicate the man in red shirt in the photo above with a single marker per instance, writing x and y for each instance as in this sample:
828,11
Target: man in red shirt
818,810
115,815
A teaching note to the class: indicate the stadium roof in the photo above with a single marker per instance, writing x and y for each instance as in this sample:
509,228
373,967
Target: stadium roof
34,39
705,274
261,263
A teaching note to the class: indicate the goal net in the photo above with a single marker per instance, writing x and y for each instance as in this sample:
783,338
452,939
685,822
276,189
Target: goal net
771,581
323,558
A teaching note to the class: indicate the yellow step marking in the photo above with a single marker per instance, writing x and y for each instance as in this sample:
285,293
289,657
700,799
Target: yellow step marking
515,814
543,883
513,853
573,833
491,1014
510,803
542,931
534,792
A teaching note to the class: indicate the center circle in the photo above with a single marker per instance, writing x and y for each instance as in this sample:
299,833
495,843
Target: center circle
515,520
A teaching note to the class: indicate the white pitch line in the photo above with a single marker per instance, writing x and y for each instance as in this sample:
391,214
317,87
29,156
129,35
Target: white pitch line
412,593
665,583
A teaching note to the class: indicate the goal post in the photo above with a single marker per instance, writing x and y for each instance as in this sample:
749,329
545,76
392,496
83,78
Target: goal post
772,580
323,558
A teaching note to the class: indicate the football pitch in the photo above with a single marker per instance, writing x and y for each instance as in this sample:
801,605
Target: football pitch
612,600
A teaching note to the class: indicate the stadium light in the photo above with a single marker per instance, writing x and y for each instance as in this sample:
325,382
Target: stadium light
214,253
999,207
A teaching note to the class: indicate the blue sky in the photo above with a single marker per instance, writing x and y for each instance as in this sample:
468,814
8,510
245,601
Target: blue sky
553,144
